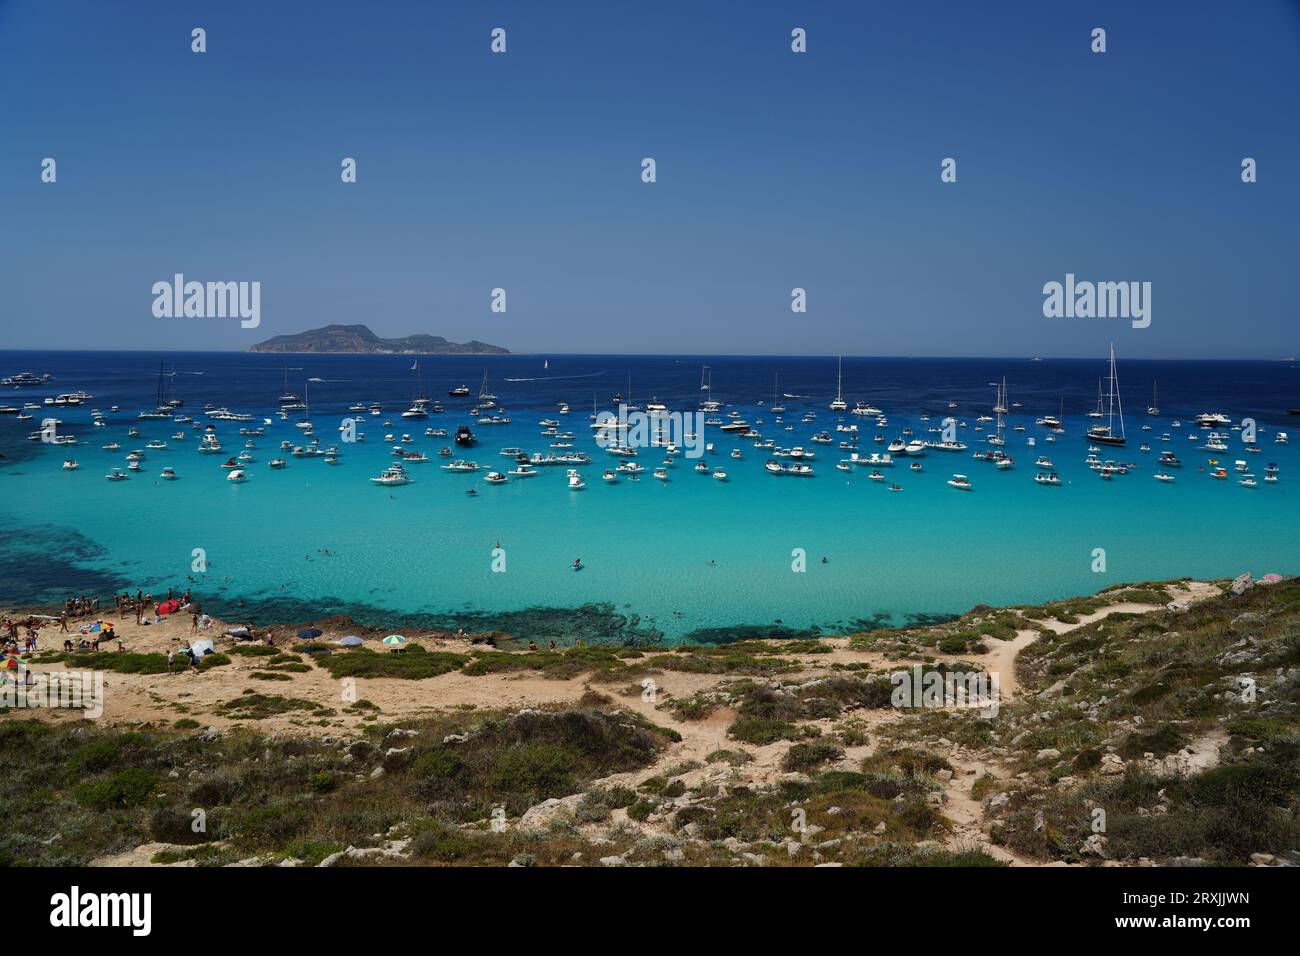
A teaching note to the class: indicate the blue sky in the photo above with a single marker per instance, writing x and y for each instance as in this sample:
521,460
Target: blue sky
775,170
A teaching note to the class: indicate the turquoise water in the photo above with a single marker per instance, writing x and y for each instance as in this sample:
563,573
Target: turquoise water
684,556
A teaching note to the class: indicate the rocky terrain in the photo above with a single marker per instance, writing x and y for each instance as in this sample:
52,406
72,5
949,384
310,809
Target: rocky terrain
1152,724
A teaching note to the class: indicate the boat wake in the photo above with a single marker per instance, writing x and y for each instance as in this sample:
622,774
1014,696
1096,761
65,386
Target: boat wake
557,378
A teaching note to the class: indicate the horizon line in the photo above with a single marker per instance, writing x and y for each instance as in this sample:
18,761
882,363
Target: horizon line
693,355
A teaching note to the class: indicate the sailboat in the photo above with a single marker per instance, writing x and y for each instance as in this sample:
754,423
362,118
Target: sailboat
1000,409
161,407
485,398
704,378
1105,434
305,422
1154,407
546,364
1097,412
286,396
839,404
417,409
777,407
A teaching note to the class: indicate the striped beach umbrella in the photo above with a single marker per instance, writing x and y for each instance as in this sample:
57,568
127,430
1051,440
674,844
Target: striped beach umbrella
394,640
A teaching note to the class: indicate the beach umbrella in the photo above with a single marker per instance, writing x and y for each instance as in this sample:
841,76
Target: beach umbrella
395,640
310,632
351,641
1270,579
169,607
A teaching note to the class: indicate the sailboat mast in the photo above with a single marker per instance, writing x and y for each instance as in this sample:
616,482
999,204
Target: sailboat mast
1115,396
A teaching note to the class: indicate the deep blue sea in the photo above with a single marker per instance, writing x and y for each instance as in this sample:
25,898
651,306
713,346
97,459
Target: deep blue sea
687,559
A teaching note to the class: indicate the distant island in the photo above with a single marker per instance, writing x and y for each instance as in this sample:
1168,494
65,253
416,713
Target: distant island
359,338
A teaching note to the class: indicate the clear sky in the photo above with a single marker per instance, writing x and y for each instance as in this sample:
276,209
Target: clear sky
775,170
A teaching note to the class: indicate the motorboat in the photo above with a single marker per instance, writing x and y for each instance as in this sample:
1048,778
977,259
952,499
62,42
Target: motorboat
392,475
575,481
1047,478
169,473
495,478
960,482
236,476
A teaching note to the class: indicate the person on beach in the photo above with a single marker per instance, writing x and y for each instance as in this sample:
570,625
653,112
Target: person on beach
63,623
170,655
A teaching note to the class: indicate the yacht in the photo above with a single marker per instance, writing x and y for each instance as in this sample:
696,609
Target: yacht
1105,434
393,475
1212,420
1044,462
461,465
1154,407
460,391
796,469
523,470
465,437
575,481
839,405
960,482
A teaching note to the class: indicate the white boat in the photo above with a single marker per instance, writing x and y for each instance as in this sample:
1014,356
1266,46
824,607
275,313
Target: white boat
795,469
237,475
960,482
1248,481
393,475
719,474
1044,462
1161,476
71,465
461,465
839,404
661,474
524,470
169,473
1154,407
117,474
610,475
575,481
495,478
277,463
1050,478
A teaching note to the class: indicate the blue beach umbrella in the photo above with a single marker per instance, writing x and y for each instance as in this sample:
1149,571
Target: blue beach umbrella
350,641
309,632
